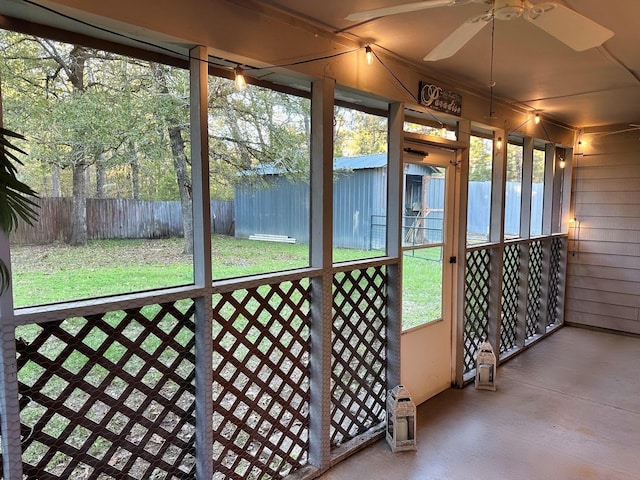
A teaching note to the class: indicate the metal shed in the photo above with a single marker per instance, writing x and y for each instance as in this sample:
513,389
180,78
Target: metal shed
277,206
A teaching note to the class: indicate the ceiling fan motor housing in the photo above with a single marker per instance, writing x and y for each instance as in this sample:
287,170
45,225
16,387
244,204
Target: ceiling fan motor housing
508,9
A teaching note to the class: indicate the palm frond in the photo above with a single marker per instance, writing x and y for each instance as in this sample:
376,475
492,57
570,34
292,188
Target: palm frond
16,197
5,277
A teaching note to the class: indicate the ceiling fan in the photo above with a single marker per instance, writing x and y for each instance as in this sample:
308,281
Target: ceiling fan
567,25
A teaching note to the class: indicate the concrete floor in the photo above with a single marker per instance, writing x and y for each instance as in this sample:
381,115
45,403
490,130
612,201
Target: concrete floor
566,409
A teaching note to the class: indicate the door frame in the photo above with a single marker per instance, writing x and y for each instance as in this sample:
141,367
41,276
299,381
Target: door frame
447,327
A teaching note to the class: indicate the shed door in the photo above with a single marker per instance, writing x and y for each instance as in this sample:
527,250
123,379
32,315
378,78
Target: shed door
426,343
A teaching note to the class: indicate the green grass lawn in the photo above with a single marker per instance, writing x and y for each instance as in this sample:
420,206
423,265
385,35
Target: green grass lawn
55,273
421,286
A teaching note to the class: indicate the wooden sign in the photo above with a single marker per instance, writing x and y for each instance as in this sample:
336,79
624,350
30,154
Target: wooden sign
439,99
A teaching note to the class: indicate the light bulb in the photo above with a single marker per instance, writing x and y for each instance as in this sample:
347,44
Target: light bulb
536,119
240,81
562,163
499,143
369,54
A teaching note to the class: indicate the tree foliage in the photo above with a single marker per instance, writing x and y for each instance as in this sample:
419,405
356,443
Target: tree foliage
358,133
481,159
99,124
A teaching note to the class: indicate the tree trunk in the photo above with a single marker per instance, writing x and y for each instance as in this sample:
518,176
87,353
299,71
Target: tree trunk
56,190
135,172
184,185
77,59
179,159
101,176
79,208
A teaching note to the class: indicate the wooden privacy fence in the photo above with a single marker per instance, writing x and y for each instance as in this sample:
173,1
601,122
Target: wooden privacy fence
109,218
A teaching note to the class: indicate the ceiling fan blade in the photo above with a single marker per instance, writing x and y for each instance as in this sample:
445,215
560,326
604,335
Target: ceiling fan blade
568,26
458,39
407,7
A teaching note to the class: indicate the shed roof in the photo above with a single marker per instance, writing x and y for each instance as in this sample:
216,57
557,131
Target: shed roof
361,162
374,160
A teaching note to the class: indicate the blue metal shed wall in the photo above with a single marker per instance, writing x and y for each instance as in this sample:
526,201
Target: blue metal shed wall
360,209
480,201
282,209
479,208
378,219
537,194
435,201
357,197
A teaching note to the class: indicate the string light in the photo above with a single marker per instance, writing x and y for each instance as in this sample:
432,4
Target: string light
369,53
239,80
239,70
574,224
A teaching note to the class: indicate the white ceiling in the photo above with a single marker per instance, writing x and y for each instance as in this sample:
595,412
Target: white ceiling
532,69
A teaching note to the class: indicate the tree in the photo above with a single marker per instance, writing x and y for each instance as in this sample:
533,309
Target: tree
170,113
105,125
94,118
480,159
255,127
67,87
514,163
358,133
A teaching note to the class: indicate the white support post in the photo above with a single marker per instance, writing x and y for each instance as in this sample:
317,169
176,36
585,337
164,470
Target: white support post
567,217
526,188
525,232
395,179
460,236
567,180
547,204
322,104
498,189
558,182
9,405
202,260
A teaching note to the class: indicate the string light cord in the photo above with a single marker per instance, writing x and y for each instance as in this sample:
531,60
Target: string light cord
404,87
492,83
250,68
515,129
177,52
546,132
106,30
245,68
302,62
231,69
